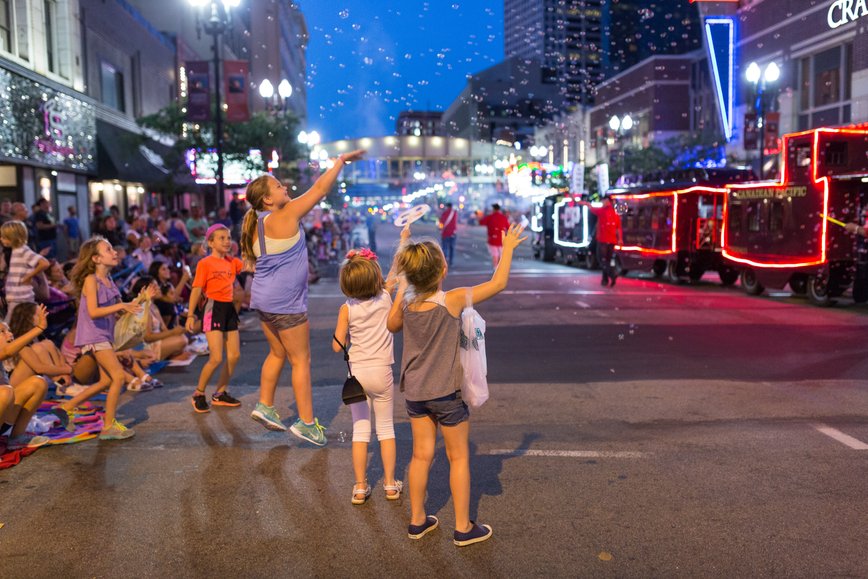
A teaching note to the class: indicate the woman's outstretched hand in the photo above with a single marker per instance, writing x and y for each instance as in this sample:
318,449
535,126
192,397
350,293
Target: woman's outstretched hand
512,237
352,156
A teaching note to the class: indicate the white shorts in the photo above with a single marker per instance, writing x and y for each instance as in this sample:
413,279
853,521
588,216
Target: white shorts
98,347
496,251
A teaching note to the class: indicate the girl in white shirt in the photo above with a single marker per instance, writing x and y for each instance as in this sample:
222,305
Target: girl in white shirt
363,319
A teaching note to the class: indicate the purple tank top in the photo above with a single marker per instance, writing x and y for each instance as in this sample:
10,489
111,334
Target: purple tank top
90,331
280,281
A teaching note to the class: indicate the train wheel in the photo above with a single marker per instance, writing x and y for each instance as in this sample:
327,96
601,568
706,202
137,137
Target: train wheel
750,284
819,291
672,272
728,276
659,268
799,285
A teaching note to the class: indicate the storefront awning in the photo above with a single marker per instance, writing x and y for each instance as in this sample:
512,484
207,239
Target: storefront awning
124,156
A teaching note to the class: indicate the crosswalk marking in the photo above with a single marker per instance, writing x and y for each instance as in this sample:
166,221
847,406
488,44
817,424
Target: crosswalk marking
568,453
844,439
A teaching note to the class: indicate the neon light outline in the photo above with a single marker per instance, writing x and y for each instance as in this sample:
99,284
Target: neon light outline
673,249
558,240
813,260
725,108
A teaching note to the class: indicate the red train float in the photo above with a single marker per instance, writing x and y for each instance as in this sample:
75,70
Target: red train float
769,234
675,228
790,232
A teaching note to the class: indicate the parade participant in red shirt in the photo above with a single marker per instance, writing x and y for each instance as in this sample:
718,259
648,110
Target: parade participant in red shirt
448,229
497,224
608,235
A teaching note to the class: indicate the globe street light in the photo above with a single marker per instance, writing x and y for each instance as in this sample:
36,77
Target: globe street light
761,79
284,89
266,89
621,126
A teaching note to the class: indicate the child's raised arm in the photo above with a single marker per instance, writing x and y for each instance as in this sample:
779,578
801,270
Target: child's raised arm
93,308
301,205
40,323
395,321
456,299
342,328
392,276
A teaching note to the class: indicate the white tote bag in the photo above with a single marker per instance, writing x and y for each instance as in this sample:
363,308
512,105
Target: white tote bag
474,386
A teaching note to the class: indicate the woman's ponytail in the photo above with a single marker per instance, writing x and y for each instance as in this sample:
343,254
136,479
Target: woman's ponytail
248,231
256,192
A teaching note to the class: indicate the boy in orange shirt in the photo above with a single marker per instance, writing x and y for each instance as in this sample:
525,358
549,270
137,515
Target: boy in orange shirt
215,277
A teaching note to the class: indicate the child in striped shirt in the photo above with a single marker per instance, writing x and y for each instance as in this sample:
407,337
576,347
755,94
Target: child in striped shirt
24,265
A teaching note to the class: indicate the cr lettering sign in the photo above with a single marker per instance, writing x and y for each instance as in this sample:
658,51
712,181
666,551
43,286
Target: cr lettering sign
843,11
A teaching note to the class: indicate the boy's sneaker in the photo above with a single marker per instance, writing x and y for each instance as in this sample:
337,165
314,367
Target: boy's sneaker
117,431
477,534
200,403
224,399
268,417
419,531
26,441
312,433
66,417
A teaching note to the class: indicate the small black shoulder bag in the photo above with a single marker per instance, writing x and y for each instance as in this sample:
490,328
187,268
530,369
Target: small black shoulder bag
353,391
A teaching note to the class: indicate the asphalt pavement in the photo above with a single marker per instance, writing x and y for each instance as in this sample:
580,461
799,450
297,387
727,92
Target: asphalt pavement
647,430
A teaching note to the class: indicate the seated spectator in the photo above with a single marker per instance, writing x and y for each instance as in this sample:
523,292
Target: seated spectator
170,295
40,357
177,232
18,404
197,225
144,254
163,342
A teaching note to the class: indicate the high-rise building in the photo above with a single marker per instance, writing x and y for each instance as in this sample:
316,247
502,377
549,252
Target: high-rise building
565,35
583,42
635,30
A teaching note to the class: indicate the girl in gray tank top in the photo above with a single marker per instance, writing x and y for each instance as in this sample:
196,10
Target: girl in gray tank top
431,374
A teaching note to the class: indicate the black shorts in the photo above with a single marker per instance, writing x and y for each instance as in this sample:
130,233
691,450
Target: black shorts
219,317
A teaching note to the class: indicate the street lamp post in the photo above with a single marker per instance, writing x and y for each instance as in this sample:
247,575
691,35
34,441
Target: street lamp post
215,25
621,126
761,79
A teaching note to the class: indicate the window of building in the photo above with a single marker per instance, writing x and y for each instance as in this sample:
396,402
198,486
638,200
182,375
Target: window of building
50,11
13,28
112,86
5,26
825,87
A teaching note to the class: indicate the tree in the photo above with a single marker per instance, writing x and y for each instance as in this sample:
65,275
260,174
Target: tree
263,131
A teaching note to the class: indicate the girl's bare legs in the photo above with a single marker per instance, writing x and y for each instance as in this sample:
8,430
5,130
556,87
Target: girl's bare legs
360,467
109,361
172,346
215,358
7,401
29,394
424,436
104,382
458,452
233,354
388,453
296,343
272,366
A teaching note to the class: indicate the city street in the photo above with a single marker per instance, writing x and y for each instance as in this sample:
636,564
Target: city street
647,430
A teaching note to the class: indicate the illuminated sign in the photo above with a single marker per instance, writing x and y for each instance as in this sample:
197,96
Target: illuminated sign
720,37
843,11
770,193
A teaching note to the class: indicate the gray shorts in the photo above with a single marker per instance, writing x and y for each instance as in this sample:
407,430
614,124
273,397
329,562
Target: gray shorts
278,322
